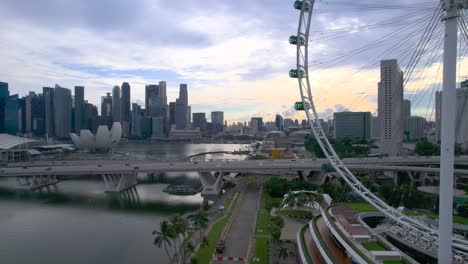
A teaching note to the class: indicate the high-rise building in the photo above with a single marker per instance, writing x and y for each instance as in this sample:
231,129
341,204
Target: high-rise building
37,115
62,111
183,94
182,109
12,114
172,113
461,128
136,120
390,107
157,127
416,127
259,122
28,112
116,101
151,91
4,94
375,127
163,91
49,116
279,123
79,112
217,121
126,113
91,117
199,121
355,125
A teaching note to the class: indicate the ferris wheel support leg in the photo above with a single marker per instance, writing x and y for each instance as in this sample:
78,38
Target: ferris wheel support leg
448,138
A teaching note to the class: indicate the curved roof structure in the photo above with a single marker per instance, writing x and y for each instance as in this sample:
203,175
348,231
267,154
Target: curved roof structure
104,139
274,135
9,141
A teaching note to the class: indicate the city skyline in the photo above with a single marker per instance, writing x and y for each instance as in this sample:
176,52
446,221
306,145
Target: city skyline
251,62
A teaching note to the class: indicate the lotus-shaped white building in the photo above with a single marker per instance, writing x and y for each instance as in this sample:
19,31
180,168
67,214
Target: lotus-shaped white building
102,141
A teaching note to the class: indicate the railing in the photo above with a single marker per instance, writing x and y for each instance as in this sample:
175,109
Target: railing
319,242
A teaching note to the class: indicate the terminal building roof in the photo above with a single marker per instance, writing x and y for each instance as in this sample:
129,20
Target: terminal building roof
11,142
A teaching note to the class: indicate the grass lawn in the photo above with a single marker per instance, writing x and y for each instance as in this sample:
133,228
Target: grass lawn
262,231
204,255
262,247
360,207
374,246
305,249
297,213
456,219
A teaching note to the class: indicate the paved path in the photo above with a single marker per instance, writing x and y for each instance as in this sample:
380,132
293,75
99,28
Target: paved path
240,233
338,253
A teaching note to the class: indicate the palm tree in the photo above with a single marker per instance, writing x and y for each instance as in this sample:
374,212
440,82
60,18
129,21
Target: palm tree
290,199
283,252
205,242
302,199
163,237
200,221
275,233
188,248
177,225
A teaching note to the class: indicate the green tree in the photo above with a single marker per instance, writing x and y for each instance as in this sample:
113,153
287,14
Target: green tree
463,209
278,221
276,187
163,237
200,221
283,252
426,148
275,233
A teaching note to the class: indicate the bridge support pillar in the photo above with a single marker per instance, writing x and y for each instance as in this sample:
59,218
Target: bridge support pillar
119,182
36,182
211,185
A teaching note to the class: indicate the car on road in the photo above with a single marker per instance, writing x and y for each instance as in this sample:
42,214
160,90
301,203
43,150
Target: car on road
220,247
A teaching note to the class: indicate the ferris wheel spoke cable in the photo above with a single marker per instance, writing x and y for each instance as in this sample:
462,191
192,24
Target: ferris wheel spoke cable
314,122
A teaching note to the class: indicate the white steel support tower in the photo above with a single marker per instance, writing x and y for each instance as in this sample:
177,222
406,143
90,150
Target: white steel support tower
452,247
449,100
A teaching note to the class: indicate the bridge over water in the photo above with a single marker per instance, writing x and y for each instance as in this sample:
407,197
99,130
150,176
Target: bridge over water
119,175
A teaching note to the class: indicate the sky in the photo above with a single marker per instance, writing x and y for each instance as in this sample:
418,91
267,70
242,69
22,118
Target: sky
233,54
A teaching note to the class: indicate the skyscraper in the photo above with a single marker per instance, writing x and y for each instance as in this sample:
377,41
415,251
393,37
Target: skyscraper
48,93
79,109
12,114
390,107
163,91
217,121
183,93
125,105
461,128
353,125
62,111
279,123
4,94
182,109
172,113
151,91
136,120
116,110
199,121
106,110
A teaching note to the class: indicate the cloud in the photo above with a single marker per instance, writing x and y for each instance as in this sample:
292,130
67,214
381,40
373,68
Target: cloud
234,55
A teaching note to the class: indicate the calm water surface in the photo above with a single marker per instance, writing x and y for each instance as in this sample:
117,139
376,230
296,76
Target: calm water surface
78,223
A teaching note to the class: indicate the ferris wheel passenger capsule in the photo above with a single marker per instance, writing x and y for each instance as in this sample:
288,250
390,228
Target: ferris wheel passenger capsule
298,5
295,73
299,106
293,40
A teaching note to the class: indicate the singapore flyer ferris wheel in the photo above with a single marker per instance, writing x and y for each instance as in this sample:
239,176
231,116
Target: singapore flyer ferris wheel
429,237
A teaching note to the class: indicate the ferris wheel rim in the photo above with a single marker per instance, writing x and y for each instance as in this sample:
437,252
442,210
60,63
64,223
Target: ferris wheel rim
330,153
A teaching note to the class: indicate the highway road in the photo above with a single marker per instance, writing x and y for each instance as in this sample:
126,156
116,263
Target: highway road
99,167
